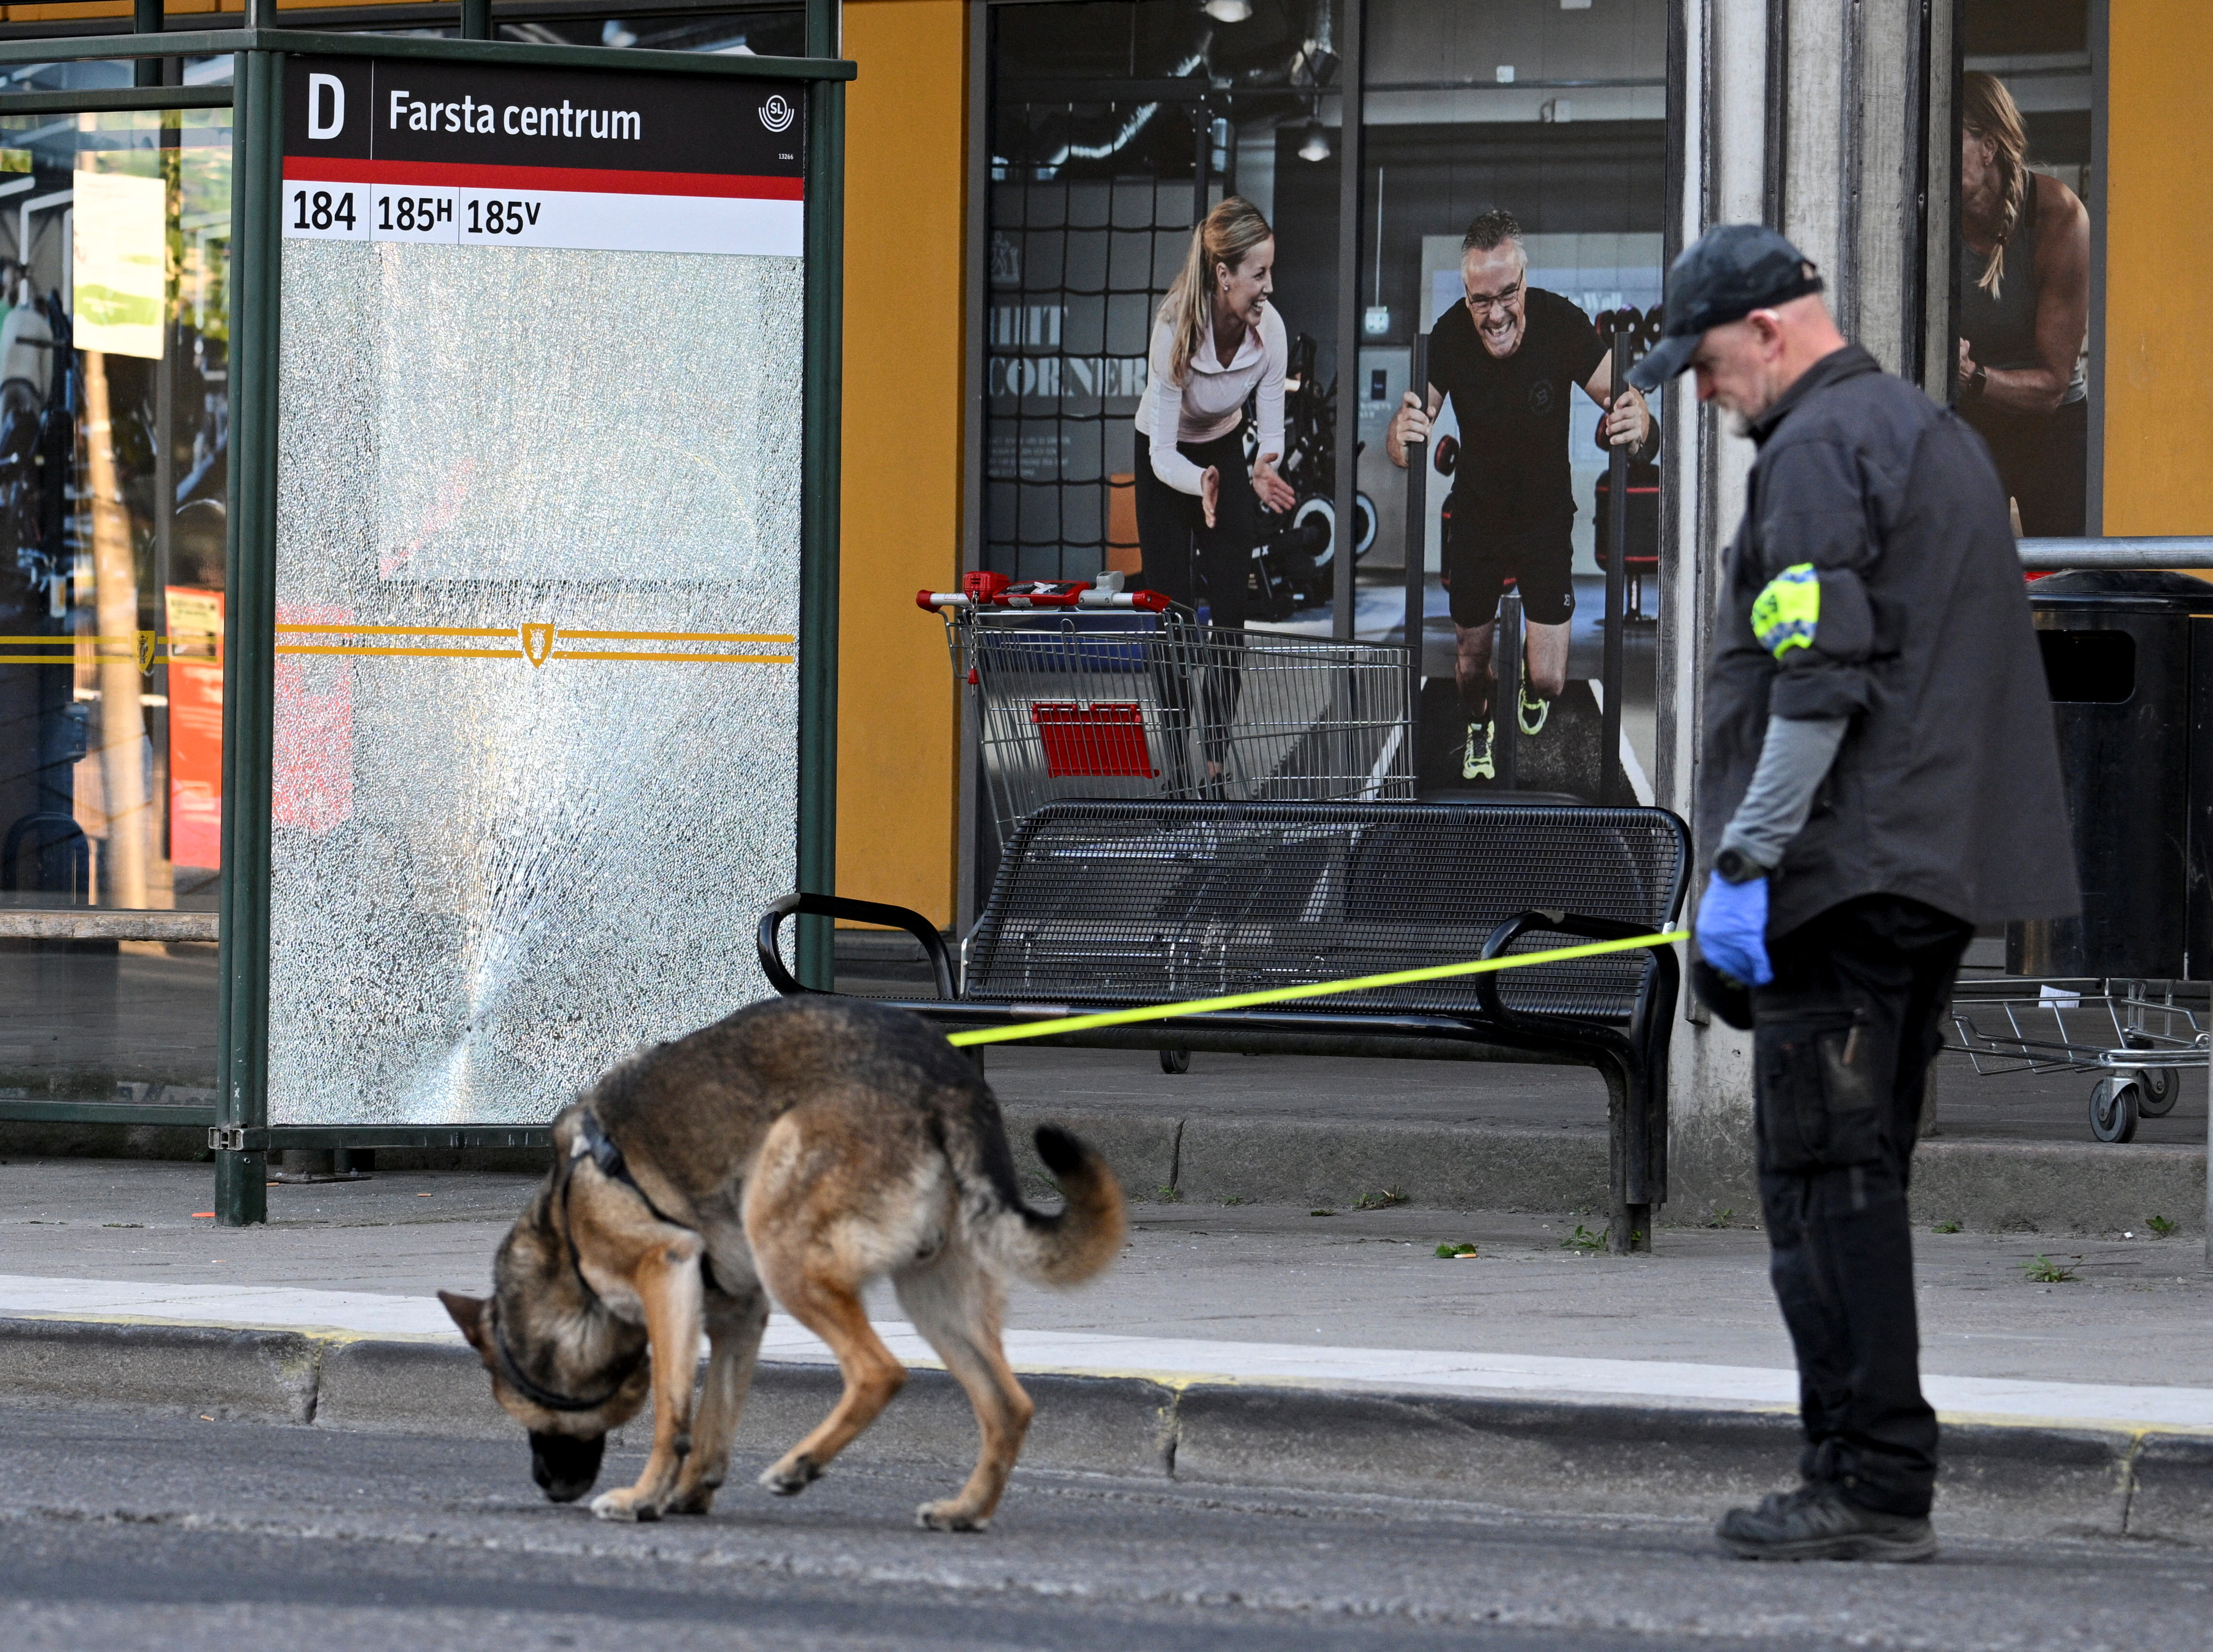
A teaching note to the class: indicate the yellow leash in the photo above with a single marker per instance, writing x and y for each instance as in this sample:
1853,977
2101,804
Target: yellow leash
1313,990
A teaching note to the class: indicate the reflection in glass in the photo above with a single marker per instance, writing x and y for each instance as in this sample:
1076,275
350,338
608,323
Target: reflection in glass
114,420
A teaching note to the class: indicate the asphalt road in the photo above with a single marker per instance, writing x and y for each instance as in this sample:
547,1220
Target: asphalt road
120,1530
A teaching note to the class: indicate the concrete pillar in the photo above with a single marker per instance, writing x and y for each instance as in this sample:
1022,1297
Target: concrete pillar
1810,115
1726,64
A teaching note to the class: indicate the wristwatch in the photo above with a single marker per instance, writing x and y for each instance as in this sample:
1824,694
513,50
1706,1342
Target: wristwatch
1736,867
1977,382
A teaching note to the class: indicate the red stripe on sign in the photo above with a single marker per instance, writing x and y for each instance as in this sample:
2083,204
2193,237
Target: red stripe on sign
448,175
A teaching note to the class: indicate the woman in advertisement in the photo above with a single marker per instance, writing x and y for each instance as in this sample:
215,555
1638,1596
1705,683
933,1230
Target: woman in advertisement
1216,342
2024,309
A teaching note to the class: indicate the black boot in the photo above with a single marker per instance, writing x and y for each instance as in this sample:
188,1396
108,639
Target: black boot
1816,1522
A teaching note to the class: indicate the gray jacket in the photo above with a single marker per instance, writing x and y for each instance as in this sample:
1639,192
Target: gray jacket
1878,525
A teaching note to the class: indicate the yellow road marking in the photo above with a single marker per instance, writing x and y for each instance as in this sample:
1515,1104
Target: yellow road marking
1310,989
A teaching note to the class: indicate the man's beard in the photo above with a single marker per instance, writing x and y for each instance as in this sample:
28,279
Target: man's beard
1737,423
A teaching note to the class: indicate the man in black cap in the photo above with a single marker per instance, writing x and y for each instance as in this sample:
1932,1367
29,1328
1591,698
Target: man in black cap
1879,777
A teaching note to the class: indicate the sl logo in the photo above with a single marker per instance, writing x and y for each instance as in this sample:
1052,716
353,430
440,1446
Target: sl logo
777,113
146,653
537,643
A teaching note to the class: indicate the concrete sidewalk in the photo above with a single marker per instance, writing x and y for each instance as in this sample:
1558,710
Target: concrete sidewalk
1239,1344
2013,1154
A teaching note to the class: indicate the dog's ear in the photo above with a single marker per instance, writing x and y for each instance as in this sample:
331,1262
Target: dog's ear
468,1313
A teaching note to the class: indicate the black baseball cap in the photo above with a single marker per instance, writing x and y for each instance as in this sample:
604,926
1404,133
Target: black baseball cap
1725,275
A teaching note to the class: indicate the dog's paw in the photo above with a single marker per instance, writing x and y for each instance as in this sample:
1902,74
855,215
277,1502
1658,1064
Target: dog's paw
949,1517
792,1476
697,1501
625,1505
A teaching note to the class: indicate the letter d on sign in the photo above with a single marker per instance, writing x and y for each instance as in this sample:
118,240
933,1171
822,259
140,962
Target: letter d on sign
318,85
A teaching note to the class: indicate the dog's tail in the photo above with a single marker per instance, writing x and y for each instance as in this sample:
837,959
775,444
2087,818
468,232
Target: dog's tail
1062,1248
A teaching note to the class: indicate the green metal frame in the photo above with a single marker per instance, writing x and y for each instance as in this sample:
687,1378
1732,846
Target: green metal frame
103,1112
241,1133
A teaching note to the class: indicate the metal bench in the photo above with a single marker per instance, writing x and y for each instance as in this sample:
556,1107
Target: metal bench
1103,905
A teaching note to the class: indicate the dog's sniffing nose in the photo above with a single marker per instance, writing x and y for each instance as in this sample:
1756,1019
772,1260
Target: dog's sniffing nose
565,1466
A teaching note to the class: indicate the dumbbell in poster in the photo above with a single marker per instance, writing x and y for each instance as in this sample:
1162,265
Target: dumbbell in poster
538,576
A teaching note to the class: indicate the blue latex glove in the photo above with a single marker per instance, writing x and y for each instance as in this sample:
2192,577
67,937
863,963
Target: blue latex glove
1732,929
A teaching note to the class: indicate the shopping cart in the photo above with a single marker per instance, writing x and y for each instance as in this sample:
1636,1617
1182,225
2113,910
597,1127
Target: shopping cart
1088,690
2133,1035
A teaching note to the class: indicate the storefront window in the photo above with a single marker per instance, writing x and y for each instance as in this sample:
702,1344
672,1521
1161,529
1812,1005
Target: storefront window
1115,127
1554,120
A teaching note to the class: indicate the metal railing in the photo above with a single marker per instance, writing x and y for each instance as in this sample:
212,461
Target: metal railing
2170,550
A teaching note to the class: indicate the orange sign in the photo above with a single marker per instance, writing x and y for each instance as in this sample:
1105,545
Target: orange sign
195,725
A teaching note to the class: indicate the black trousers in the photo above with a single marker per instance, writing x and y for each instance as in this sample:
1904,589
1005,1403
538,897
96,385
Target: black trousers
1186,560
1842,1040
2044,460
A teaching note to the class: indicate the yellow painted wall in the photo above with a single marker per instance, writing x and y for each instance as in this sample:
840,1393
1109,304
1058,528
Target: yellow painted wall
905,184
2158,204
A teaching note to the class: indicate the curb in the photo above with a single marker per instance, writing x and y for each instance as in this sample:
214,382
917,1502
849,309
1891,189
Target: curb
2011,1480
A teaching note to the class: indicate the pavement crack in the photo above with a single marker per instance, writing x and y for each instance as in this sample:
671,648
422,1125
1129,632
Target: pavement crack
2129,1460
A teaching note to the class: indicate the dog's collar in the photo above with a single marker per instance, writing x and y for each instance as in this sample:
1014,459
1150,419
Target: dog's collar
546,1398
593,1143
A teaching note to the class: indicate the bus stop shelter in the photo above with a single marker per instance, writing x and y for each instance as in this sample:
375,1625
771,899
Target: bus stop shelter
526,635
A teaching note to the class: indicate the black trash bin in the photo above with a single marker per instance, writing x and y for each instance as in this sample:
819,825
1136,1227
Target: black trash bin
2118,652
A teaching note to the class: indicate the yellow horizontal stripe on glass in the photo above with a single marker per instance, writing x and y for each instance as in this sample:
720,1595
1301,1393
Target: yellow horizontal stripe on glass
673,635
398,630
420,654
673,658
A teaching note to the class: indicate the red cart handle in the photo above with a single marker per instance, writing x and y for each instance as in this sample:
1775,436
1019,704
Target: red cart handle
988,590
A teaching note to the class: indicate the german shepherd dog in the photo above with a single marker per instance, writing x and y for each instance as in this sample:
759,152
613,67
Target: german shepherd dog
798,1149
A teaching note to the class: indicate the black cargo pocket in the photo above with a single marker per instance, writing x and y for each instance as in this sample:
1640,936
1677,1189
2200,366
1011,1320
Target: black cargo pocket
1818,1104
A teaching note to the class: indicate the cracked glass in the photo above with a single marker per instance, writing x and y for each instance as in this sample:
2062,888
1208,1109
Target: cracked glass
538,604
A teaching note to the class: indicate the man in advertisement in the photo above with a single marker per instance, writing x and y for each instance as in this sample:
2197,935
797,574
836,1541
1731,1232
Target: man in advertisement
1509,357
2024,254
1881,775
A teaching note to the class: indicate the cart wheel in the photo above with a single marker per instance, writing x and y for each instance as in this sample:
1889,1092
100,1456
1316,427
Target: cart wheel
2162,1088
1175,1061
2115,1102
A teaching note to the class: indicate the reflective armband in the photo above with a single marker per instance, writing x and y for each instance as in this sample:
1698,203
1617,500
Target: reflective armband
1786,614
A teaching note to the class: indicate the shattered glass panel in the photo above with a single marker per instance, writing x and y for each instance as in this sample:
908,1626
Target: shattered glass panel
537,708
